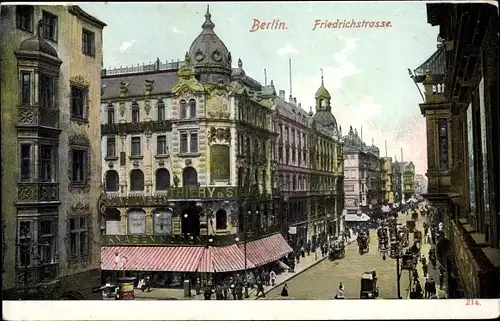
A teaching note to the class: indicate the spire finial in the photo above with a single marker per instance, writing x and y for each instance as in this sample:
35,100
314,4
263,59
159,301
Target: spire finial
208,24
321,76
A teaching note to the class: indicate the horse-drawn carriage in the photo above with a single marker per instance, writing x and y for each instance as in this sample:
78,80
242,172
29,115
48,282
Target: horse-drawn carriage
337,250
363,243
383,238
369,286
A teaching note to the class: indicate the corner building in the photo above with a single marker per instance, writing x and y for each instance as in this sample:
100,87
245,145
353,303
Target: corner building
51,58
187,168
461,109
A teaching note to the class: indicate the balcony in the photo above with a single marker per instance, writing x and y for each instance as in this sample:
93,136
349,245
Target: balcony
37,117
36,282
37,192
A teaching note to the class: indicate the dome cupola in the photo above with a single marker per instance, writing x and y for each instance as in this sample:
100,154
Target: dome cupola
209,55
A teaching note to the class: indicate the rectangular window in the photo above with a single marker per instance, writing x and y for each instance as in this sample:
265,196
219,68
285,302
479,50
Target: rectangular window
47,245
79,237
111,115
183,110
135,114
25,236
25,162
26,88
192,109
88,42
47,163
24,18
79,159
49,27
193,143
161,145
184,143
136,146
78,102
111,146
161,112
47,91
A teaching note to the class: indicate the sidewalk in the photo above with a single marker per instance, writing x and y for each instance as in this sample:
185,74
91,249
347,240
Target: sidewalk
305,264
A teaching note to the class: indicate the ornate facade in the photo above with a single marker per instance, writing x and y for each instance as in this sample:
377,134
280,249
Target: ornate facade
408,180
50,73
386,180
363,190
187,155
461,108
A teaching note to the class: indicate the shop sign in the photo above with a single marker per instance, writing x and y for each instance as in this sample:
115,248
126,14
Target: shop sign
137,222
162,222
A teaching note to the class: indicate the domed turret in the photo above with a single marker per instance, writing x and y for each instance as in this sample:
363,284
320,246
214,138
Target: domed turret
209,55
323,115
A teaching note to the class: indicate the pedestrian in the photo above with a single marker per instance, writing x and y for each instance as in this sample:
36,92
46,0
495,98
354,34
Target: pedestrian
142,284
225,291
427,289
424,269
441,279
148,284
284,291
218,292
233,291
418,289
208,293
260,288
272,276
298,257
415,275
432,287
316,254
302,251
340,292
308,248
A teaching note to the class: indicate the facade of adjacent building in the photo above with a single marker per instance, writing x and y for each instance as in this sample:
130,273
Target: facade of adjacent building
386,179
51,59
461,109
408,180
397,180
362,175
187,165
420,186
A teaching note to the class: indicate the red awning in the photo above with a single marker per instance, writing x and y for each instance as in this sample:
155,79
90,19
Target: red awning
267,249
151,258
229,258
206,263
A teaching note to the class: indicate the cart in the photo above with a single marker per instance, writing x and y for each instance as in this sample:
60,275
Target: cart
369,286
337,250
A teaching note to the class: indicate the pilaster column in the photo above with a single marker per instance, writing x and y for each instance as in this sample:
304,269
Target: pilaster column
123,220
149,220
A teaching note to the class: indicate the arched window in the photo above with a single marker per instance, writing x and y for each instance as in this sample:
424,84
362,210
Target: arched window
182,109
135,112
189,177
221,220
162,179
160,110
112,181
136,180
113,221
192,108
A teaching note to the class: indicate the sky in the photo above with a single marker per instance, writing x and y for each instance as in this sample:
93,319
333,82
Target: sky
365,69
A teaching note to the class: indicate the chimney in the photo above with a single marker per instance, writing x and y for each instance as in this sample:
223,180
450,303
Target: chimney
300,105
282,94
295,101
290,99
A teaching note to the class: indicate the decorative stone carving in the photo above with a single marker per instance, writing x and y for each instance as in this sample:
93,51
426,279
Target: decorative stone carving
79,139
48,193
187,82
219,134
79,81
147,106
148,84
26,193
218,104
123,88
121,108
188,162
26,117
79,209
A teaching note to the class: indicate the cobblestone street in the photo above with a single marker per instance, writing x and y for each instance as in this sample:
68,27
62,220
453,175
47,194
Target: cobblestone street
321,281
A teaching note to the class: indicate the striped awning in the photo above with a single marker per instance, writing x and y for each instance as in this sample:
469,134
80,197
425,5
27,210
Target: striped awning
267,249
206,262
151,258
229,258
